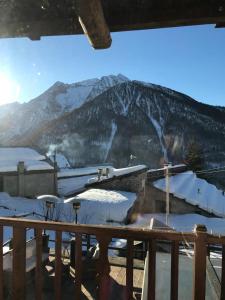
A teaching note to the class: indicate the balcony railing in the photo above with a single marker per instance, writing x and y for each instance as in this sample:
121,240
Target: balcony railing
104,235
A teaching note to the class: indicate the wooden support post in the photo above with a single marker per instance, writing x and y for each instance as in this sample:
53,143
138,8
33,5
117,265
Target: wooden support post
151,269
19,264
21,178
58,266
78,266
174,270
1,263
200,252
222,293
129,270
103,269
92,20
38,269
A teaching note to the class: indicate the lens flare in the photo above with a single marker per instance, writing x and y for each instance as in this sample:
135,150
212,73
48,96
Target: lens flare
9,89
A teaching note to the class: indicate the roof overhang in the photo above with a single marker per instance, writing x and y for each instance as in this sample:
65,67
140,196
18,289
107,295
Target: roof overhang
96,18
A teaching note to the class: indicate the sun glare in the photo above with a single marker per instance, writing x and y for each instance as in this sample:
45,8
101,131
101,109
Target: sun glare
9,89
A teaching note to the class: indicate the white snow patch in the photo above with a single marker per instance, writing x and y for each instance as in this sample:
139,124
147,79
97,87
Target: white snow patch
75,95
112,135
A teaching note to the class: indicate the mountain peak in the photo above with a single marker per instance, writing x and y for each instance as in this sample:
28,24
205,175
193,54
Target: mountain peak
112,80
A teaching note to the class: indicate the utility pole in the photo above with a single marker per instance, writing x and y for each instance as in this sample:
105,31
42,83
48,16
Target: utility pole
167,175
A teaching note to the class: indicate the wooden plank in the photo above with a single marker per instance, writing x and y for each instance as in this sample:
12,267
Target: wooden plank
174,270
92,20
222,295
129,270
109,231
200,252
58,265
103,268
151,269
1,263
145,14
38,269
78,266
19,263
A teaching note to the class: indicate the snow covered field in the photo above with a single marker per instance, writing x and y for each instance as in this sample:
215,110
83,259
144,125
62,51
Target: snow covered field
196,191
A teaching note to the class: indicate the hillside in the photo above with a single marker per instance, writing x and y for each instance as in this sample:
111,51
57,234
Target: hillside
112,118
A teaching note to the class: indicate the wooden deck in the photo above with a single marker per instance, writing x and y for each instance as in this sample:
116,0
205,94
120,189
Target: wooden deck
117,282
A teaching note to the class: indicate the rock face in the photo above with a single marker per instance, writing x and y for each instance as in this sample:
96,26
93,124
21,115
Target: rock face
116,120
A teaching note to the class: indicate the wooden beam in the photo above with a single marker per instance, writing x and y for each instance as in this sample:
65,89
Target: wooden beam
150,14
19,264
92,21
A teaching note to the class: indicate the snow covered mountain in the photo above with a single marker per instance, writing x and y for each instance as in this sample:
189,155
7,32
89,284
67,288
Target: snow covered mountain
116,120
56,101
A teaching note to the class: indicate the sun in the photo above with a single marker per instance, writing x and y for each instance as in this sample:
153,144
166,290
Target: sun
9,89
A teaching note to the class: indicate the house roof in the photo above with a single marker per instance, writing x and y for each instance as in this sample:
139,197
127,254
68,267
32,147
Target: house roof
97,18
33,161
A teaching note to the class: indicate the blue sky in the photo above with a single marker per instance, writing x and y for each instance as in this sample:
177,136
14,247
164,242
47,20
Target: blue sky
189,59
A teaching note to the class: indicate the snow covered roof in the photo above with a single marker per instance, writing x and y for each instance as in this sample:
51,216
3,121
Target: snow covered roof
19,154
170,167
105,196
128,170
184,222
100,206
33,161
196,191
61,160
80,171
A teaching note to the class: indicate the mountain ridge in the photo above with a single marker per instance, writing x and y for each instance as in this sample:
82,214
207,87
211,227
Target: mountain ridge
116,118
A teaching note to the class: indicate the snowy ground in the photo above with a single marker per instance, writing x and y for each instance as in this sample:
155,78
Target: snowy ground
196,191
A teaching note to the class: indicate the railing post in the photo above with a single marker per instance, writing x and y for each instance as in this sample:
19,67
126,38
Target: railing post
1,263
38,269
151,269
174,270
19,264
129,270
103,268
58,266
78,266
222,293
200,252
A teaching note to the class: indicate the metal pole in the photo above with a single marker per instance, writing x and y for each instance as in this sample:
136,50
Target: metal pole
76,216
167,194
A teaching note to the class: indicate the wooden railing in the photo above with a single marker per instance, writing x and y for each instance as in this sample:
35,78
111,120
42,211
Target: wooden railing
104,235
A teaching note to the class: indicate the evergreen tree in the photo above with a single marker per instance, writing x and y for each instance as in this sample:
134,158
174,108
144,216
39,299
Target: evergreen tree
194,158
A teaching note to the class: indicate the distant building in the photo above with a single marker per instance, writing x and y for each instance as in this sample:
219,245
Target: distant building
24,172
